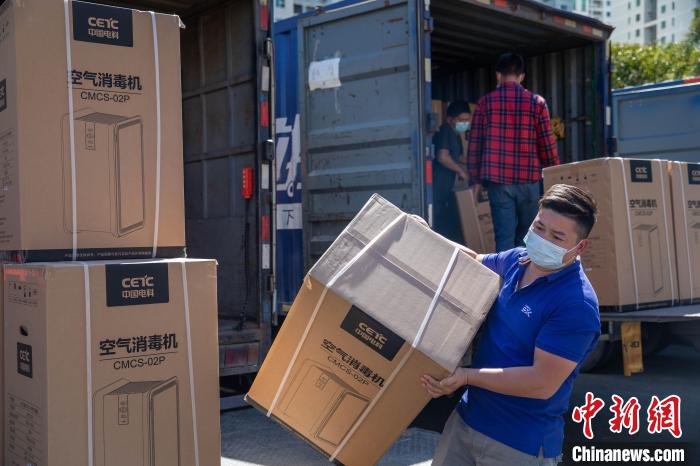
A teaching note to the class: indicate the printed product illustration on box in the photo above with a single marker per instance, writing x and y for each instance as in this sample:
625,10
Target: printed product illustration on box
133,425
108,172
335,405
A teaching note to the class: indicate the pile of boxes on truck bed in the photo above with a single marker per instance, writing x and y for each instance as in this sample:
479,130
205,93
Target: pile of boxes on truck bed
100,350
645,247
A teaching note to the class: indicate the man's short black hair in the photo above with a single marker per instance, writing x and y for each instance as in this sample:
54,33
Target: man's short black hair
510,64
456,108
574,203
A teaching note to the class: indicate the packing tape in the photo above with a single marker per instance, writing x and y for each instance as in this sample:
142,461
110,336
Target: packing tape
397,369
71,132
330,283
663,175
629,231
156,59
685,230
186,299
88,359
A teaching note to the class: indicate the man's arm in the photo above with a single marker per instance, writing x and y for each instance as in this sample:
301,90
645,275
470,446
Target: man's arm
540,381
546,144
448,162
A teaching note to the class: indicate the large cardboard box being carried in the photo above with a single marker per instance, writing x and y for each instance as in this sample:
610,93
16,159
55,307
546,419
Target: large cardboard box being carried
475,218
101,170
685,183
389,301
631,259
118,361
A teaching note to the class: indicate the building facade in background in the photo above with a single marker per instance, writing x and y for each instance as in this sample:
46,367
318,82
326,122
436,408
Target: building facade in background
598,9
287,8
651,21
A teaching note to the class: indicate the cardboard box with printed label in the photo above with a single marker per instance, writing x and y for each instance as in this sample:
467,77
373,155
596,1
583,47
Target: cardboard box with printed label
93,162
631,259
112,363
475,218
389,301
685,185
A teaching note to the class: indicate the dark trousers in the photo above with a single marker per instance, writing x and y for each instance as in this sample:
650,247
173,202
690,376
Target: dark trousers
446,219
513,209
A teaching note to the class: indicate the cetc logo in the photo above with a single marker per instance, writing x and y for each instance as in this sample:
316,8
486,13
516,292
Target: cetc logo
138,287
104,23
373,334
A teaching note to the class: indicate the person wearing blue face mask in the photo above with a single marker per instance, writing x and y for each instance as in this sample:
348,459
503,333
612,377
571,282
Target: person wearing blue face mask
541,328
446,165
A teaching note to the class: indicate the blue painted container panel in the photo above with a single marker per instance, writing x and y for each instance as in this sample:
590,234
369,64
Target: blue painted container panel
658,121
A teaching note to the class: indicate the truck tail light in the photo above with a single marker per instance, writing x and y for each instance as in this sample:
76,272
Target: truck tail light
247,185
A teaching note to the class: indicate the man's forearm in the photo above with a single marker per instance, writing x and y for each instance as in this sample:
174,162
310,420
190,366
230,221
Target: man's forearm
515,381
448,162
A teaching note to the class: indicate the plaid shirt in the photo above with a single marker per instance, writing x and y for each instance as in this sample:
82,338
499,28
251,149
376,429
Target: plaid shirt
511,139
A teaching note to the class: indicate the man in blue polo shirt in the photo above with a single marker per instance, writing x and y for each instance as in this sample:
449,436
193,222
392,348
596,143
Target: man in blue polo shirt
543,324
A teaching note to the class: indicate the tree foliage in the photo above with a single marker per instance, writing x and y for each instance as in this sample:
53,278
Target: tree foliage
634,65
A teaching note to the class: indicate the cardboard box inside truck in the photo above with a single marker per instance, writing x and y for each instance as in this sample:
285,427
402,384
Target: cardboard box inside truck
631,259
142,389
475,218
388,301
685,185
95,159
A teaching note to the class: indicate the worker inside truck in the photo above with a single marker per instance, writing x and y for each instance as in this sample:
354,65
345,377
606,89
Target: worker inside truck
448,164
541,328
512,141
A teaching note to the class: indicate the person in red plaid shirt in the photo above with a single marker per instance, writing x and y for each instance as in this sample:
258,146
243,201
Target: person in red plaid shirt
511,142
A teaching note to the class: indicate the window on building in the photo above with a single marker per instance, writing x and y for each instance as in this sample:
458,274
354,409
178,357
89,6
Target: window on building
629,5
662,40
673,5
639,2
663,8
663,24
637,33
673,38
673,21
637,18
629,20
629,35
279,3
607,13
297,9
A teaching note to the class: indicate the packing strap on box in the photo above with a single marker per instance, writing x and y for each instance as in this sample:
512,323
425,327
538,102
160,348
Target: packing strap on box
663,168
88,360
71,127
629,231
685,227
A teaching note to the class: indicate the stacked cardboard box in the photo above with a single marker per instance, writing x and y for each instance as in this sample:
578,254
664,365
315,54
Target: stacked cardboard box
631,260
90,133
475,218
685,183
114,360
390,300
99,355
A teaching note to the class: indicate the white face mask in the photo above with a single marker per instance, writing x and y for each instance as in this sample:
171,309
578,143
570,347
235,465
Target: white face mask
545,253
